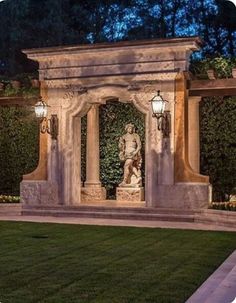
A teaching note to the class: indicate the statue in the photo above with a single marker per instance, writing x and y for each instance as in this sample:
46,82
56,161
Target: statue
130,146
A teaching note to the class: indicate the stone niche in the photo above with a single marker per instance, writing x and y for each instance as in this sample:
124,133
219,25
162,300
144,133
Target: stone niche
76,80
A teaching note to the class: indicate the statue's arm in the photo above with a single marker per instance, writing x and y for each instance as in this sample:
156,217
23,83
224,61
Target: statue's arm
138,142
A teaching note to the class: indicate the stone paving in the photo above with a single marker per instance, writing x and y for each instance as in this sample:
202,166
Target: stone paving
220,287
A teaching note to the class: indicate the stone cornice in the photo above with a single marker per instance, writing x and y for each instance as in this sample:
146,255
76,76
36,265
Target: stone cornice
190,43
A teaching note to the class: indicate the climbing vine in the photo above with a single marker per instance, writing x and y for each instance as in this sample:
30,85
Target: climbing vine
113,118
218,145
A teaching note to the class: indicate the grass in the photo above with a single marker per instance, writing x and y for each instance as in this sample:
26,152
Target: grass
51,263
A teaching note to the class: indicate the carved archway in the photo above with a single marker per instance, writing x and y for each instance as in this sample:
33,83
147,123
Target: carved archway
72,112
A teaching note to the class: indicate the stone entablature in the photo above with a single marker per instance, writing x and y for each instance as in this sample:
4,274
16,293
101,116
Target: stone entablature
119,58
74,79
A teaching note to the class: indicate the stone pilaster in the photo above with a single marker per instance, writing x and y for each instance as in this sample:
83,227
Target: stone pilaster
193,132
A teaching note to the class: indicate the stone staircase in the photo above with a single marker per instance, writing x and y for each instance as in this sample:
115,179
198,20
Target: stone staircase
105,212
140,213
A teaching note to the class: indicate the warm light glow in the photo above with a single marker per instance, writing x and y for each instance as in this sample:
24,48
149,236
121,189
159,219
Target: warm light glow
41,109
233,1
158,104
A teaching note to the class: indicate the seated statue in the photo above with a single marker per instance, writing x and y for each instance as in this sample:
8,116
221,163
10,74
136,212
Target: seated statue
130,146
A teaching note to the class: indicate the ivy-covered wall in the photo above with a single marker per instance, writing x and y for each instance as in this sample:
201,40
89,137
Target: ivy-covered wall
18,147
113,118
218,145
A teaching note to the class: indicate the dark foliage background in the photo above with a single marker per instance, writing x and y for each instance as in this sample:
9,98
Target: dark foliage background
218,145
113,118
18,147
42,23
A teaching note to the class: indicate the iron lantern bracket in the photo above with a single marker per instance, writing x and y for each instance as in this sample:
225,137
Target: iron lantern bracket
50,126
164,123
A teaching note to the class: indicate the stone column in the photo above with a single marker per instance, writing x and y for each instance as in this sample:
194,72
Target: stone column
193,133
92,189
92,148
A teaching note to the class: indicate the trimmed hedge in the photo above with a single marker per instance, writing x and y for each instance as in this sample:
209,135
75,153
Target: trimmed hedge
218,145
18,147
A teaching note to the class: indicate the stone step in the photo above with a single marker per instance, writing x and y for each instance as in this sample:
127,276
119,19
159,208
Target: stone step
10,209
216,217
220,286
109,215
205,216
226,291
116,209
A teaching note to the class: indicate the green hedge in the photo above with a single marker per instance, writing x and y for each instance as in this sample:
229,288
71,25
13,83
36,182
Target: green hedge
222,66
218,145
18,147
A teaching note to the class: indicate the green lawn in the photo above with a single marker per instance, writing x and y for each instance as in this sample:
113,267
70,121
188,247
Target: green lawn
70,263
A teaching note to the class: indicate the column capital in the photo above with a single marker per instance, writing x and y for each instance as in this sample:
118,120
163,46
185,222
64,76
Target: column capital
195,99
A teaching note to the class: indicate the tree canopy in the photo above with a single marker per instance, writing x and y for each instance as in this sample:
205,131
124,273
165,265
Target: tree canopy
30,24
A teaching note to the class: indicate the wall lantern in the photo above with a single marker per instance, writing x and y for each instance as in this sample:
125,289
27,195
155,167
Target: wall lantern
163,117
49,126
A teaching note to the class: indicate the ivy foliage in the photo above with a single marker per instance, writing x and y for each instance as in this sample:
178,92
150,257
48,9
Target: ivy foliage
223,67
218,145
18,147
113,118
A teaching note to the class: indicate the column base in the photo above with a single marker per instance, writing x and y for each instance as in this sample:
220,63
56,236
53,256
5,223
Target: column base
130,194
90,194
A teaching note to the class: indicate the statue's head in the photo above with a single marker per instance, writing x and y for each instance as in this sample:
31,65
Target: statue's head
129,128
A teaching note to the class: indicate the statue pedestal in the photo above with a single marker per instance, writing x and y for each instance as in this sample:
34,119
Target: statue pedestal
90,194
130,194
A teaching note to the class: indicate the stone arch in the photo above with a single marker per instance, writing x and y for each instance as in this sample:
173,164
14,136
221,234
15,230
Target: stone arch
71,116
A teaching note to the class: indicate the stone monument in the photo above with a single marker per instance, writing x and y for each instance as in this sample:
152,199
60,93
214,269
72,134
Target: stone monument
75,81
130,189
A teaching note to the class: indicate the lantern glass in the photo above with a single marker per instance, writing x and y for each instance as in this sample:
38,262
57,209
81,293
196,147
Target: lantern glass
41,109
158,104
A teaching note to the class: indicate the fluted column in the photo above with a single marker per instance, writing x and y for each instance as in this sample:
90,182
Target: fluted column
194,133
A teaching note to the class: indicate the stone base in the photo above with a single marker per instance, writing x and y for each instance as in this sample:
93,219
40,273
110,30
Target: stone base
39,193
130,194
182,195
90,194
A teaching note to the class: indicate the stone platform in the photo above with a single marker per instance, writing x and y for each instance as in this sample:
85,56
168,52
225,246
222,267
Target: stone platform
93,193
126,214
